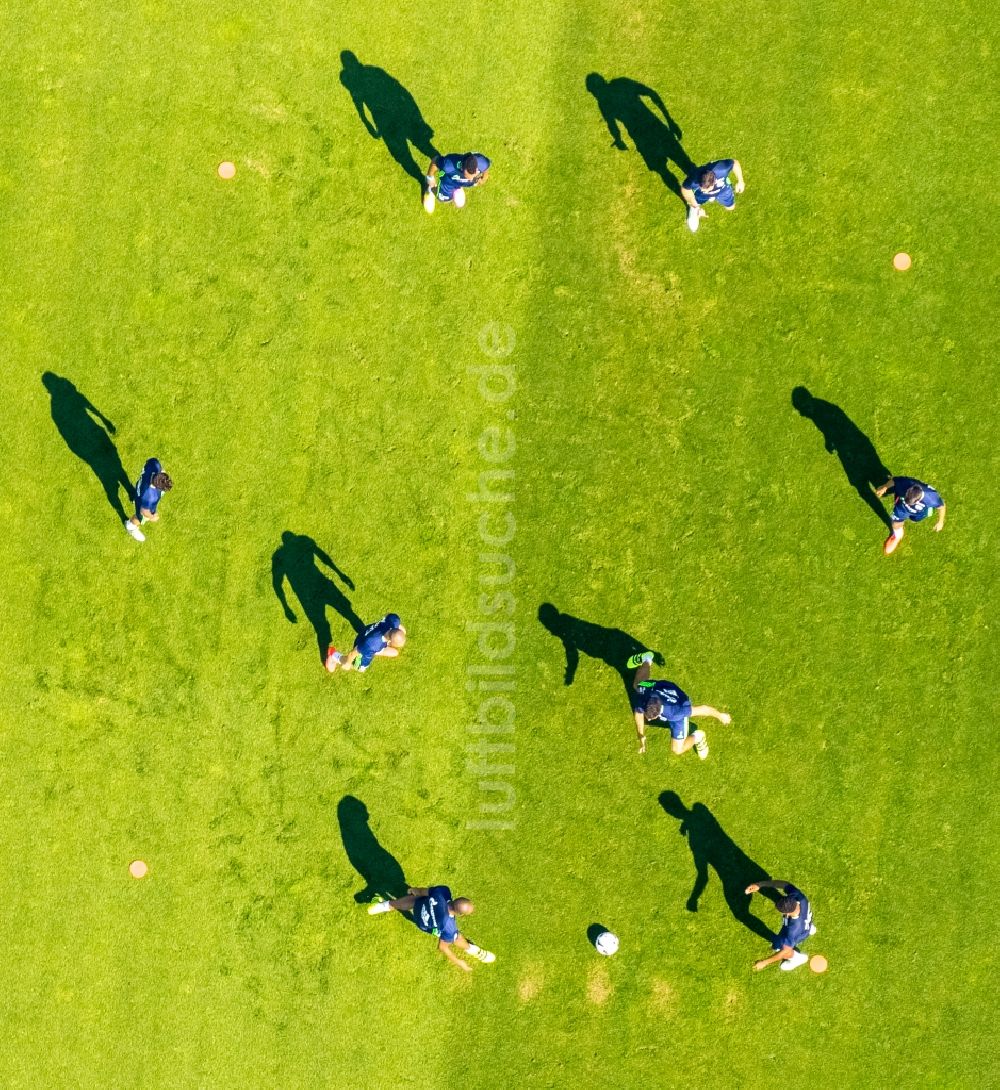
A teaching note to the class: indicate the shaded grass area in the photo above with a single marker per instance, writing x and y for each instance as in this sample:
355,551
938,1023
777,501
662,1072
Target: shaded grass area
295,346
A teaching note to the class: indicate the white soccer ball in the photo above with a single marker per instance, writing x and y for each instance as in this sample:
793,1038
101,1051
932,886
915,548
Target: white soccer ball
607,944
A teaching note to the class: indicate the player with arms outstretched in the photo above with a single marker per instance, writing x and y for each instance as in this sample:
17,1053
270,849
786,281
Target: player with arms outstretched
796,926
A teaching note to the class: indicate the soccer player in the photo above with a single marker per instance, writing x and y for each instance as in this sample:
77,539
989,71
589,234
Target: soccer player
914,502
796,926
382,639
711,183
435,912
663,703
458,173
148,489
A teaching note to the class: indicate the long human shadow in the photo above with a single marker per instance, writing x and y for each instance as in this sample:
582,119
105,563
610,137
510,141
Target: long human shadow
296,560
87,432
712,847
863,467
626,104
389,112
379,869
611,646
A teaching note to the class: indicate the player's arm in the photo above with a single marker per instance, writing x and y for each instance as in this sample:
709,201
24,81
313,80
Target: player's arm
445,948
939,525
738,171
413,892
688,195
770,883
348,661
782,955
483,176
432,170
147,514
640,729
706,709
885,488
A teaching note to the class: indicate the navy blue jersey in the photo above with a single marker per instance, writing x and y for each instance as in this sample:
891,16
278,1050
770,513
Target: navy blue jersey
375,637
147,497
452,175
431,914
795,929
915,512
720,168
675,704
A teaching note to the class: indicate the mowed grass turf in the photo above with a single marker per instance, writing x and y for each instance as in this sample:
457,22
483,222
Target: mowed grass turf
297,346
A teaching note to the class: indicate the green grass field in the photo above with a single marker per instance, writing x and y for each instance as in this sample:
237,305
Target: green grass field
303,348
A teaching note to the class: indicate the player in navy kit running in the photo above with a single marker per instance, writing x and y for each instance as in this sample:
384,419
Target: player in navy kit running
457,174
914,502
435,912
657,703
711,183
383,639
796,926
148,489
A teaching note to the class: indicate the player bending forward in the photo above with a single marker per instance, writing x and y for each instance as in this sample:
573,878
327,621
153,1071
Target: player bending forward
435,912
662,703
383,639
796,926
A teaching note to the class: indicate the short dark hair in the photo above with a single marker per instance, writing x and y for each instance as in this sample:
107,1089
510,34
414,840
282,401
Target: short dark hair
914,494
162,481
708,178
785,905
470,164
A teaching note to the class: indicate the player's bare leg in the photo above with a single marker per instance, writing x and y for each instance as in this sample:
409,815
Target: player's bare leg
893,539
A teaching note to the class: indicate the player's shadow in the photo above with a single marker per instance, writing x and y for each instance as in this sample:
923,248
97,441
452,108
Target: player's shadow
858,456
296,560
87,432
611,645
712,847
389,112
379,870
626,104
